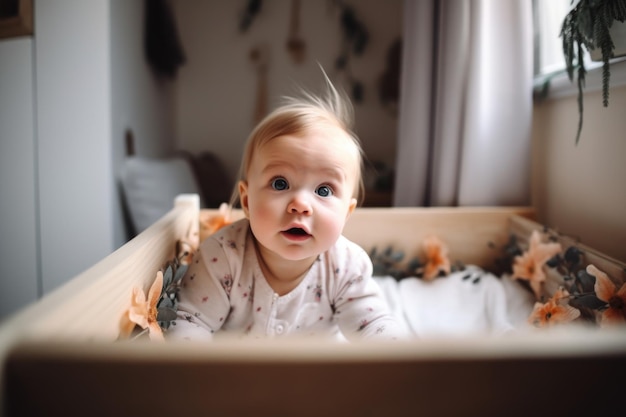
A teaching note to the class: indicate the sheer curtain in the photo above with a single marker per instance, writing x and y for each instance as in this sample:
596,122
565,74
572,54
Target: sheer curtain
466,103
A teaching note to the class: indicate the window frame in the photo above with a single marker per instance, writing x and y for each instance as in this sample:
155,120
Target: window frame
556,84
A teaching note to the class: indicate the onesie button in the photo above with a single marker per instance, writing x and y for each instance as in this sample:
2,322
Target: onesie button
280,329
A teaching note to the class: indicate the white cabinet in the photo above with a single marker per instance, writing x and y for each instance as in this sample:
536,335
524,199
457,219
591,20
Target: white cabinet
19,248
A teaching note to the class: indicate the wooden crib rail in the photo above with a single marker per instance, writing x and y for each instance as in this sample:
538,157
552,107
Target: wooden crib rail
473,234
442,377
89,306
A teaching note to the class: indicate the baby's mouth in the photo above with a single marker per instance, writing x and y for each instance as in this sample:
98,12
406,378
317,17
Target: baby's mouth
296,231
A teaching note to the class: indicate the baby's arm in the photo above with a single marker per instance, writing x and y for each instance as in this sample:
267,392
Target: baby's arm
203,300
360,307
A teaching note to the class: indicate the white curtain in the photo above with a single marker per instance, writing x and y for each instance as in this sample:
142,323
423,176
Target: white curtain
465,103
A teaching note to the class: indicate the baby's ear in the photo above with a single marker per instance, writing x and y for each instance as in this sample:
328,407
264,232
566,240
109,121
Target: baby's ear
243,196
351,207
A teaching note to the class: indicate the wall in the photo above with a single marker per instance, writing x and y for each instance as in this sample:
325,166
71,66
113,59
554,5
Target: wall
19,281
579,189
67,96
73,131
216,89
140,101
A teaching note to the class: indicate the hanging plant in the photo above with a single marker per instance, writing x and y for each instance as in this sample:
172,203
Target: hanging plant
587,26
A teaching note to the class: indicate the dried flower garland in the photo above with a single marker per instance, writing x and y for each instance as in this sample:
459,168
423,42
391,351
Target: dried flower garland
555,311
587,294
435,261
530,265
213,223
614,310
155,313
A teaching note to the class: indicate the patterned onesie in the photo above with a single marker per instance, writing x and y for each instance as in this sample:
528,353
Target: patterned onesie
224,290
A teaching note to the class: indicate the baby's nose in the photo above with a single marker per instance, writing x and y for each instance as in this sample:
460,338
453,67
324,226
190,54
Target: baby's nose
299,204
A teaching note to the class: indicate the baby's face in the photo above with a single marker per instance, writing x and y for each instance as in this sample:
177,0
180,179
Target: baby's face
300,192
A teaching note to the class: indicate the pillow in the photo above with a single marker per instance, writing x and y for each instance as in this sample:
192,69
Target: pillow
150,186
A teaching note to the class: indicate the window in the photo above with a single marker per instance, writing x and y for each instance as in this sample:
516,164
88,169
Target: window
549,63
548,18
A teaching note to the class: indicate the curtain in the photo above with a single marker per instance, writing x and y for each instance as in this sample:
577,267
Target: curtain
465,104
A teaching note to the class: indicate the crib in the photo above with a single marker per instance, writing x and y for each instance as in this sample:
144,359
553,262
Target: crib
62,355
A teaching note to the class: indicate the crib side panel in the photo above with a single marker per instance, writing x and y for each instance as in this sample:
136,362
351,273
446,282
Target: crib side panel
75,384
473,235
522,228
91,305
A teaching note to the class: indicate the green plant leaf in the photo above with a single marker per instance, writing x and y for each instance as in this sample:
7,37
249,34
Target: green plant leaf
167,276
573,256
165,301
585,281
180,272
166,314
588,300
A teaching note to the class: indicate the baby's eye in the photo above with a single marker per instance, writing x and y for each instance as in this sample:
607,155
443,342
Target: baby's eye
280,184
324,191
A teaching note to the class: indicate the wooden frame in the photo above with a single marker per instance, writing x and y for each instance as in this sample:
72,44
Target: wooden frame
16,18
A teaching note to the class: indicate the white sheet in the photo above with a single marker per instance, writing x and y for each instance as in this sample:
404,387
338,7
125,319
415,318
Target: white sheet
462,303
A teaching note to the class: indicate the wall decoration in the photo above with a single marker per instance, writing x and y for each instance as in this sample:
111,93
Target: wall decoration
16,18
259,57
389,80
163,48
296,46
355,40
247,17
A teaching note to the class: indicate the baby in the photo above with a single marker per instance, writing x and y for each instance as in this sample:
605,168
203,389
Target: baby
285,269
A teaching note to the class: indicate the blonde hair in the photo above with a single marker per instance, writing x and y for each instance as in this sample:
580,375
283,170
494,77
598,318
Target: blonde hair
298,115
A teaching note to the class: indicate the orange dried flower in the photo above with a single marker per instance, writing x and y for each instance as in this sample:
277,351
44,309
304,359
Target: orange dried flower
436,258
143,311
185,251
529,266
212,224
609,293
555,311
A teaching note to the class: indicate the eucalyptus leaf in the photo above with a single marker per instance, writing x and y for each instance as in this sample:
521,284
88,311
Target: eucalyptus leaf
554,261
573,256
414,264
586,281
167,276
180,272
397,256
165,302
589,301
166,314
